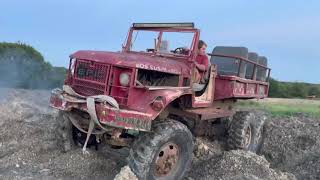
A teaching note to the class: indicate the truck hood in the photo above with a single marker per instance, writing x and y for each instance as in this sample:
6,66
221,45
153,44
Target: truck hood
135,60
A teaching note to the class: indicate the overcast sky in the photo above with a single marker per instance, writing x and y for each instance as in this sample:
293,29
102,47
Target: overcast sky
287,31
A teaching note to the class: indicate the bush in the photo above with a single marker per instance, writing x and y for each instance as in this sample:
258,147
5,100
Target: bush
21,66
280,89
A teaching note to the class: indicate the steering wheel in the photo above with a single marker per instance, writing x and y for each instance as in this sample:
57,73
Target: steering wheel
150,50
181,50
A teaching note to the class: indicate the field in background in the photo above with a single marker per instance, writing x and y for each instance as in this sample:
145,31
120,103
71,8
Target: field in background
283,107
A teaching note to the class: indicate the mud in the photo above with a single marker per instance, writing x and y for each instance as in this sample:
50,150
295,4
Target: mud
28,148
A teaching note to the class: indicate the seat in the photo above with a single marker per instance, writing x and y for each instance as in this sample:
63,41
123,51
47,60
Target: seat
252,56
262,72
200,87
229,65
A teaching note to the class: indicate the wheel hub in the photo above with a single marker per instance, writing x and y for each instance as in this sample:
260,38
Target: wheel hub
167,159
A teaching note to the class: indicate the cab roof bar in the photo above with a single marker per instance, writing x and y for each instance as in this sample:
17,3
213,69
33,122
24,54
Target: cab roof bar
163,25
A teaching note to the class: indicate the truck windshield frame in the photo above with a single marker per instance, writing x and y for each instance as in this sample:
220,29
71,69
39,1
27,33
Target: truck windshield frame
192,49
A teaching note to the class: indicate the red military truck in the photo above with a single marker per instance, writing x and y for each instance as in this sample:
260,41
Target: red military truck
145,98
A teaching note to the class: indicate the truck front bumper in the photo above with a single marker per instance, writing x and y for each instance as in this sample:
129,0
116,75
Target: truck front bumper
107,115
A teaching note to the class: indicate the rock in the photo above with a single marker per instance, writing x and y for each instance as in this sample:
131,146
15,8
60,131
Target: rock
125,174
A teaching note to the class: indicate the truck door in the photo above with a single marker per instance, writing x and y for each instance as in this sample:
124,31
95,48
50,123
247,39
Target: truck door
205,97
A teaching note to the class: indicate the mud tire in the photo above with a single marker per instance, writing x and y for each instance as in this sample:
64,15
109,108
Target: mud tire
242,122
146,148
64,135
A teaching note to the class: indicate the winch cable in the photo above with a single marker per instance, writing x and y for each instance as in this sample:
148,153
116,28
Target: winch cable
74,121
91,100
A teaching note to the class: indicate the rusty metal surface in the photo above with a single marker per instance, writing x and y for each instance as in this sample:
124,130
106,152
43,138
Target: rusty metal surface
235,87
210,113
204,113
106,114
167,159
135,60
236,78
116,139
123,118
119,142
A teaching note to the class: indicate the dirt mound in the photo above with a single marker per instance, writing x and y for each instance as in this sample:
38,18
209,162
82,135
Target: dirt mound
28,148
213,161
237,165
293,144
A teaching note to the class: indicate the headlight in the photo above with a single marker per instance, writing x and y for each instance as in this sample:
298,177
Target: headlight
124,79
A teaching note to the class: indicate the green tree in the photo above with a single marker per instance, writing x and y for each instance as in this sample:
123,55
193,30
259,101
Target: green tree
314,91
298,90
274,88
21,66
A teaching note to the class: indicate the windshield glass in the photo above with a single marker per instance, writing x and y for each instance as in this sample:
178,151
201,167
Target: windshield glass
172,43
143,40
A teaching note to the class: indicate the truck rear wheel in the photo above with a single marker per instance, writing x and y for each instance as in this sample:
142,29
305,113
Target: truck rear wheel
165,153
246,131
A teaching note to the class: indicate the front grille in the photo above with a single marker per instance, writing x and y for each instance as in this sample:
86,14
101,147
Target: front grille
90,78
88,88
91,71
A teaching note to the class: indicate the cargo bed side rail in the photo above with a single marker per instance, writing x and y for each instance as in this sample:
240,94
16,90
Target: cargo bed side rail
244,60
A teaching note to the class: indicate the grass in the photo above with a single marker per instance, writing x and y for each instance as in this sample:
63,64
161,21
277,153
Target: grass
283,107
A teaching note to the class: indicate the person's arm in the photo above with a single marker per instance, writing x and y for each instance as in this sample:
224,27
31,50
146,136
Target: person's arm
200,67
204,66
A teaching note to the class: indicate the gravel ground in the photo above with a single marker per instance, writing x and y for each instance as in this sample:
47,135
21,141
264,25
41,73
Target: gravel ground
293,144
237,165
28,148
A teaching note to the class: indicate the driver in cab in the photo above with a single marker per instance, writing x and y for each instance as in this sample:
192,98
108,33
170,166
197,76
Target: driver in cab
201,62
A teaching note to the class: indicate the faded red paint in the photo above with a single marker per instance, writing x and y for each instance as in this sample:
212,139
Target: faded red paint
234,87
136,60
140,105
108,115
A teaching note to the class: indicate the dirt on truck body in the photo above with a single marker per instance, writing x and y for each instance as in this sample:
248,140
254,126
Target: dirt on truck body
144,98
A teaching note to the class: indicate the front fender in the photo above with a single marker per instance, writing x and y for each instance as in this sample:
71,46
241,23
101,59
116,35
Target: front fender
155,101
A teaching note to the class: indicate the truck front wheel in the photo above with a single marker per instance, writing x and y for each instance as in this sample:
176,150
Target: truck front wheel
164,153
64,134
69,137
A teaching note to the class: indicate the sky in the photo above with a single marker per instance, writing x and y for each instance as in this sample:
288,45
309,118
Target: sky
287,32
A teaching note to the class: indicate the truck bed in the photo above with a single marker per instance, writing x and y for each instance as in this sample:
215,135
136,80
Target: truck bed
228,87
